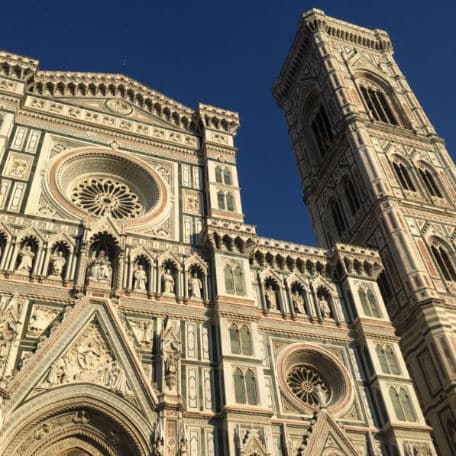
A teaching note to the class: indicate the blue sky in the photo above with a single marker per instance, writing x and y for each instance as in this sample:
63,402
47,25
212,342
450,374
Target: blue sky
228,54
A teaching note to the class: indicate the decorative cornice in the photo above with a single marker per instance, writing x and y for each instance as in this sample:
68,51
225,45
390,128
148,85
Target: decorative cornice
58,84
315,22
17,66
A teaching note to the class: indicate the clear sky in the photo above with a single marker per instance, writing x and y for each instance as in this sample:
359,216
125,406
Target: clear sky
228,54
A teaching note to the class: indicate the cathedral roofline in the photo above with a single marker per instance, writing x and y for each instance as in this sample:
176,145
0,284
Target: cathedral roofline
315,21
66,84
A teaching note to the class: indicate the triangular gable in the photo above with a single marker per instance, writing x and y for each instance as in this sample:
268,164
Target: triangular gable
327,437
126,110
89,346
106,224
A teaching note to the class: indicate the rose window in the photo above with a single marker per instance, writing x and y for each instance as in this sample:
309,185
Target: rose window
303,382
107,196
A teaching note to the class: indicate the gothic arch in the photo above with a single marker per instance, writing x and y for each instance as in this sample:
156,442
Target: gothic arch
169,257
143,253
429,179
193,261
309,105
364,76
349,190
403,169
443,255
77,413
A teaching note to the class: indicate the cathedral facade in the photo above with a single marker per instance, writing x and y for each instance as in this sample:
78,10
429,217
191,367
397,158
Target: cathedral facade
140,315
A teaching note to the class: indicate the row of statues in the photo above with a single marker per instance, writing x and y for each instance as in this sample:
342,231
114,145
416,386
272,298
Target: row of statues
100,270
297,301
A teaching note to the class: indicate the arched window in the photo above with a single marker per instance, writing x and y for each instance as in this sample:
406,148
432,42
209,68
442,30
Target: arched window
352,196
321,129
444,262
373,305
227,177
239,387
429,182
234,279
392,361
387,360
338,218
402,405
246,342
395,400
235,340
381,355
221,200
229,202
218,175
250,384
377,104
403,176
407,405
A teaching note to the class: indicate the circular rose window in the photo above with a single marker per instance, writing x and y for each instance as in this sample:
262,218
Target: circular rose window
308,385
310,377
100,182
107,196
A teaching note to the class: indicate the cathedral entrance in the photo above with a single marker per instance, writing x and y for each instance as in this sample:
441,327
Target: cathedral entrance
80,431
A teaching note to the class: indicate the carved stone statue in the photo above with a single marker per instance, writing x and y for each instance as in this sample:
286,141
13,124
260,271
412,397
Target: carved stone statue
271,297
158,447
298,302
195,286
58,262
7,335
325,309
100,268
140,278
57,372
321,396
26,261
170,353
115,378
168,283
183,447
88,357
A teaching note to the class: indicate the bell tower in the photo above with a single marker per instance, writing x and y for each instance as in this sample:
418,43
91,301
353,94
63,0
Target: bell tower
375,173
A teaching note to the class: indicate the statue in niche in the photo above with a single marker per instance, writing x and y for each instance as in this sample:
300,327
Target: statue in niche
298,302
171,354
271,297
158,447
100,268
57,372
7,335
325,309
321,396
146,332
26,262
195,286
58,262
168,283
183,447
115,378
139,277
